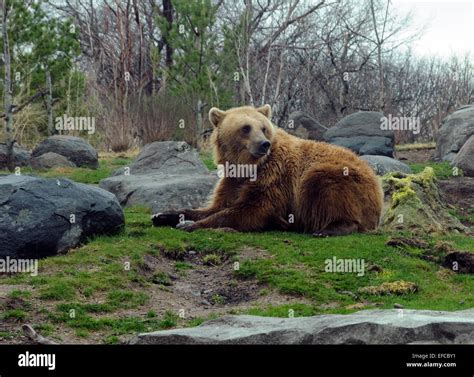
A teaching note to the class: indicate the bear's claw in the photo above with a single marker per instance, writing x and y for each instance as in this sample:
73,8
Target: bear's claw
165,219
187,225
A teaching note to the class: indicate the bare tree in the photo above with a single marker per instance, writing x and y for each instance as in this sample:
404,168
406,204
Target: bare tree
7,89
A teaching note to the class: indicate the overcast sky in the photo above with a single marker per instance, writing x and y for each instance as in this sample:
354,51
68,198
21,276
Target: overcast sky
449,25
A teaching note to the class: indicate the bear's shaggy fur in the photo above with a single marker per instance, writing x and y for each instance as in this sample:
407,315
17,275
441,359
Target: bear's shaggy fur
301,185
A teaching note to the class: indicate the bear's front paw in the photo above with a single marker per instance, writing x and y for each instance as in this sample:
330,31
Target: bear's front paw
187,225
169,218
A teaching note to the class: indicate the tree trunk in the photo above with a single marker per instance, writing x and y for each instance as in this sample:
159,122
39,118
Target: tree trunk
49,102
168,14
199,118
8,91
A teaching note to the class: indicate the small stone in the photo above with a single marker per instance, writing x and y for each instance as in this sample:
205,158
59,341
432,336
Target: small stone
398,306
192,252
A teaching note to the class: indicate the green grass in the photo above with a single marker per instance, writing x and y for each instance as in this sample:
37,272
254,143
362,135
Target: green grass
6,335
14,314
294,265
443,170
467,218
17,293
91,290
208,159
107,165
117,326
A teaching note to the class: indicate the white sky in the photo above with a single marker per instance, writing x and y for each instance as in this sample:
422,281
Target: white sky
449,25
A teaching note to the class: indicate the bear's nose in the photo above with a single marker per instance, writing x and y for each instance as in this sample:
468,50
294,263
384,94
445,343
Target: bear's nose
264,145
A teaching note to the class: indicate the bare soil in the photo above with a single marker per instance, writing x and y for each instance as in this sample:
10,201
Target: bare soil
201,291
415,156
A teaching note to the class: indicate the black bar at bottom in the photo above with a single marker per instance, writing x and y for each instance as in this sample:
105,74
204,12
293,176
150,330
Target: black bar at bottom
233,360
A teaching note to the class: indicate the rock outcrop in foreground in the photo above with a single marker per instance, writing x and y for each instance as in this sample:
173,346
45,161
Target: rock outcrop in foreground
395,326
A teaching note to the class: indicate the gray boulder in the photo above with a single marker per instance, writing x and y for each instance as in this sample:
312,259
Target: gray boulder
455,130
364,327
51,160
362,133
464,159
35,215
166,157
383,165
161,192
165,176
305,126
75,149
20,156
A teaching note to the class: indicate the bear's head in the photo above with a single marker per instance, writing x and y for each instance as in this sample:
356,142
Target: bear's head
242,135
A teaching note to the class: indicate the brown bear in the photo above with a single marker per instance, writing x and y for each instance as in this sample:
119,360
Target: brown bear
301,185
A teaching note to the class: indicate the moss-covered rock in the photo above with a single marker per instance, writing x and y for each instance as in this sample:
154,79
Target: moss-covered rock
399,287
413,203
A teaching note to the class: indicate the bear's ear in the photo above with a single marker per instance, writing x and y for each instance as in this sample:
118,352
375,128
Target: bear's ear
215,116
265,110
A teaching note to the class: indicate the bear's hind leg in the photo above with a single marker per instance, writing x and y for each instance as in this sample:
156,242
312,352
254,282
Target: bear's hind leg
329,201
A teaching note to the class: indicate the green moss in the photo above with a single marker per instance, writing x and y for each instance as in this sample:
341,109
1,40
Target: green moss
212,259
404,194
415,204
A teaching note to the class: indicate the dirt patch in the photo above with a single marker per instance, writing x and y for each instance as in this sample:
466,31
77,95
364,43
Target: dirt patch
196,288
10,303
459,192
403,242
187,285
415,156
459,261
6,289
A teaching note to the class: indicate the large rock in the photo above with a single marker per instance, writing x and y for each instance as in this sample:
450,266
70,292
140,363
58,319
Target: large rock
305,126
364,327
166,157
166,175
455,130
413,204
20,156
383,165
35,215
75,149
362,133
464,159
51,160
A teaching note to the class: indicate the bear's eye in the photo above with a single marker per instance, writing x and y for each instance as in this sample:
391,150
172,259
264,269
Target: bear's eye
264,129
246,129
